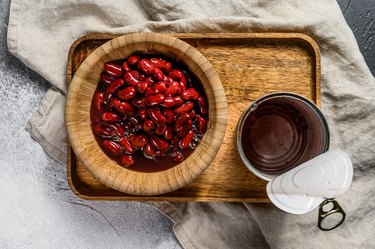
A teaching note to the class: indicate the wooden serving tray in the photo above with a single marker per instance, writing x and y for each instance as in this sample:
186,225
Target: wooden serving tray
249,65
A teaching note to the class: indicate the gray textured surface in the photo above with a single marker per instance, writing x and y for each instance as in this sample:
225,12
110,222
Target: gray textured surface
28,174
360,15
20,93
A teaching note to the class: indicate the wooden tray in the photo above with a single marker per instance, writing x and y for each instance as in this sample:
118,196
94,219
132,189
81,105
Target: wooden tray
249,65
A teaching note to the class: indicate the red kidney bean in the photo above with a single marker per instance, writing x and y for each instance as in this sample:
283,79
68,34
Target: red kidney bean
156,116
175,142
173,89
142,77
112,88
156,89
183,83
148,126
159,143
177,86
110,117
154,60
133,60
130,79
177,156
150,82
186,140
112,148
188,125
180,122
99,101
176,74
127,93
117,130
178,101
122,107
138,102
102,131
126,145
158,63
169,102
202,105
142,113
138,141
201,125
190,94
107,80
186,107
168,133
149,150
192,114
126,67
167,80
135,74
141,87
169,115
126,160
111,105
160,129
146,66
113,70
167,67
155,100
158,74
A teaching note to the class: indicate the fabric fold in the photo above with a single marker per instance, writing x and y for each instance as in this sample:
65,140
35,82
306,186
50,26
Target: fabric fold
45,125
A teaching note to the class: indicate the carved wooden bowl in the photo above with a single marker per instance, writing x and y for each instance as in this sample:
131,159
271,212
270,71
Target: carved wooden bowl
77,115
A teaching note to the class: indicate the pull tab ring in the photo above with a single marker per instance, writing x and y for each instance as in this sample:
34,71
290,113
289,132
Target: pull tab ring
329,220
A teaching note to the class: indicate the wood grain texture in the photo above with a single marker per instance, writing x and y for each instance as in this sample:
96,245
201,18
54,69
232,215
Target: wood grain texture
249,65
77,115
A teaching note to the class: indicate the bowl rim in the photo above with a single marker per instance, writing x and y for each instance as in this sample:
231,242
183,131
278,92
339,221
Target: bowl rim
114,175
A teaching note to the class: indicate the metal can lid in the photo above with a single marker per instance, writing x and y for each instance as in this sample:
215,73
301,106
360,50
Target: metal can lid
305,187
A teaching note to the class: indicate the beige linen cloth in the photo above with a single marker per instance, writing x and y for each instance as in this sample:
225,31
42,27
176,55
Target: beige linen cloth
41,32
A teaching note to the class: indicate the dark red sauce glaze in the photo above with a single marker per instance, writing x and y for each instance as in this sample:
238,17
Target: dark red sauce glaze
274,136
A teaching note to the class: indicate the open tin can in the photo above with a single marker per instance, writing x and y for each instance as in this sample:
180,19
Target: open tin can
283,138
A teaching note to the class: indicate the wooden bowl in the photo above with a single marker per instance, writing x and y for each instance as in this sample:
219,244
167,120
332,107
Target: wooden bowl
77,115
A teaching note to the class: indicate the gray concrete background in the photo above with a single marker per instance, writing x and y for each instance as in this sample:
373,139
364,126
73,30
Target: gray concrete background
360,15
22,160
